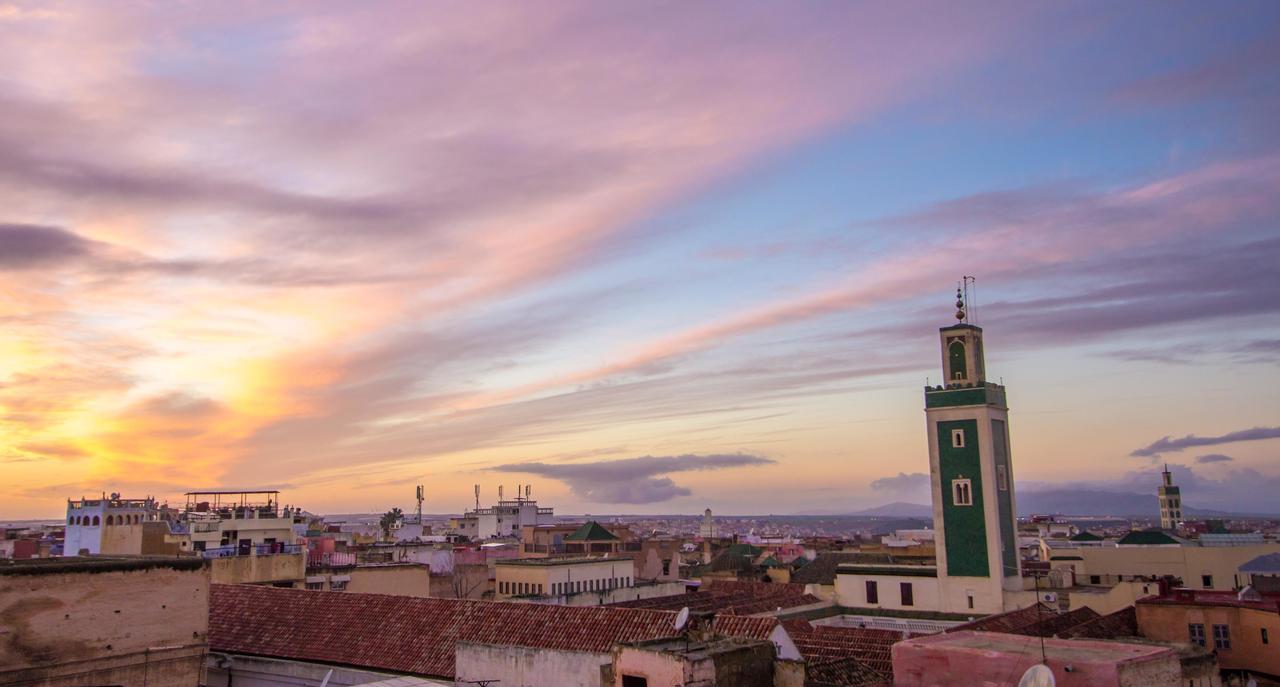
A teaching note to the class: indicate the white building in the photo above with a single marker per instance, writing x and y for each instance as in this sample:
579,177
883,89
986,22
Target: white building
504,519
110,525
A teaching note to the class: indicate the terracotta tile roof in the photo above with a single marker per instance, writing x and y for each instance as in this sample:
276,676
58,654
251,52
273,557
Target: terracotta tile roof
417,635
1044,622
1123,623
822,645
728,597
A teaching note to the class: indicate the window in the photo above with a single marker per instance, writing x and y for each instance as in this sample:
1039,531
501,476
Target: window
1206,581
957,438
666,567
970,596
315,586
338,585
1097,579
908,598
1221,637
634,681
1002,477
1196,631
961,492
1265,638
873,592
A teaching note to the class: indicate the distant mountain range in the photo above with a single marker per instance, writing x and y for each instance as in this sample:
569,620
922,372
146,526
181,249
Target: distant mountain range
1060,501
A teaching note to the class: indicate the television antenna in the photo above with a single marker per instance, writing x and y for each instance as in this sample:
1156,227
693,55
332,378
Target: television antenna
1038,675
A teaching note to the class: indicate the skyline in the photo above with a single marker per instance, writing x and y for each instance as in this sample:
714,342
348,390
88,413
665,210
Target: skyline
650,259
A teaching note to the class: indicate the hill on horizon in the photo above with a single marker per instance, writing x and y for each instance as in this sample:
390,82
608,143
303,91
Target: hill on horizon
1063,502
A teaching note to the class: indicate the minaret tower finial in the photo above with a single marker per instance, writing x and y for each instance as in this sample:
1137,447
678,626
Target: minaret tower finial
959,304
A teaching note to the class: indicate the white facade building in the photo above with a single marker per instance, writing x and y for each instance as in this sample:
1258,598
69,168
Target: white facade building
110,525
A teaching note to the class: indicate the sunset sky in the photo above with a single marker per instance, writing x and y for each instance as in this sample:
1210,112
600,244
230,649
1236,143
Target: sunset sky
647,256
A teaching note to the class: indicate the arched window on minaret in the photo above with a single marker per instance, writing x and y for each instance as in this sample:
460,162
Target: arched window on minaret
955,352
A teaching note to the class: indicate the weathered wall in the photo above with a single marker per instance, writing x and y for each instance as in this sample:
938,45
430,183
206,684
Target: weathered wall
278,567
514,665
104,626
1168,623
398,579
465,582
234,670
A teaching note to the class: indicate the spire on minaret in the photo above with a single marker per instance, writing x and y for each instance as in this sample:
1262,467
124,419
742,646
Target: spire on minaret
960,315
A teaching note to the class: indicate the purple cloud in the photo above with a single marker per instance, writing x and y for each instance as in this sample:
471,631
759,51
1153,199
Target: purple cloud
1214,458
632,480
1172,445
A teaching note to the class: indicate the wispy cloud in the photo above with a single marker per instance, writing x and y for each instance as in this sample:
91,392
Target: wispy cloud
1214,458
1174,445
632,480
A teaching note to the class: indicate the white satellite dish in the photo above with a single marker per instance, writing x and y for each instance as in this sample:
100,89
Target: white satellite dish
682,618
1037,675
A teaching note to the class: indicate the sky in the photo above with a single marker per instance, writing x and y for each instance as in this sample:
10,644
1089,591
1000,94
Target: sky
646,257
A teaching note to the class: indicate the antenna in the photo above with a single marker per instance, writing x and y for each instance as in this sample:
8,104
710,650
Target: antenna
527,487
971,299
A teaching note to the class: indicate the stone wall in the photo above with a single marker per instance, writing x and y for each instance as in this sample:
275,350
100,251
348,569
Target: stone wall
277,567
514,665
123,622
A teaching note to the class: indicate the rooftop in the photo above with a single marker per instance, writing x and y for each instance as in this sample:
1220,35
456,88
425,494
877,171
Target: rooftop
1268,564
1147,538
592,531
726,597
1061,650
74,564
1263,601
543,562
416,635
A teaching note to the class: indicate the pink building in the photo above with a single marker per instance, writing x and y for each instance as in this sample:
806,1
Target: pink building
979,658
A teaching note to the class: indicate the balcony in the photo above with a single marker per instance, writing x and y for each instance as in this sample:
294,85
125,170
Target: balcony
251,550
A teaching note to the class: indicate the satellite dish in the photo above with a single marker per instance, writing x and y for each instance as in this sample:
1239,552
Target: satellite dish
682,618
1037,675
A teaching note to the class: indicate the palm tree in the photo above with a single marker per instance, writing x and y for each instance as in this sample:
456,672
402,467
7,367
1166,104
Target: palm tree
388,520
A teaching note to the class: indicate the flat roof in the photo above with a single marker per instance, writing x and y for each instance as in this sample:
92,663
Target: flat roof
1068,650
558,561
77,564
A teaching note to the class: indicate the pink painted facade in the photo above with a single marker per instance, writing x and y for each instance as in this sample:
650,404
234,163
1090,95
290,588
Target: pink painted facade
970,659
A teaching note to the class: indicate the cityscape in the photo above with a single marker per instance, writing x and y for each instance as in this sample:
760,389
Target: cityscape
568,344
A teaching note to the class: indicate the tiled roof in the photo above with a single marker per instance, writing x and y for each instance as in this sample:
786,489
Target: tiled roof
822,570
1030,621
727,597
822,645
1266,563
417,635
592,531
1146,538
1122,623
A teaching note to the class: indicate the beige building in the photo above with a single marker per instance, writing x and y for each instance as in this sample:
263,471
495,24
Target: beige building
559,576
105,621
401,579
1153,555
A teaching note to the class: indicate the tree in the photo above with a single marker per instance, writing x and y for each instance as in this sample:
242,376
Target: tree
389,520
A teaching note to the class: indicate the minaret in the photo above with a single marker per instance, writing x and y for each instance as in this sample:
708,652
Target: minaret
971,477
1170,502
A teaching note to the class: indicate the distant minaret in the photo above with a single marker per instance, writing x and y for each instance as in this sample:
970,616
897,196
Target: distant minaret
1170,502
708,529
971,475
